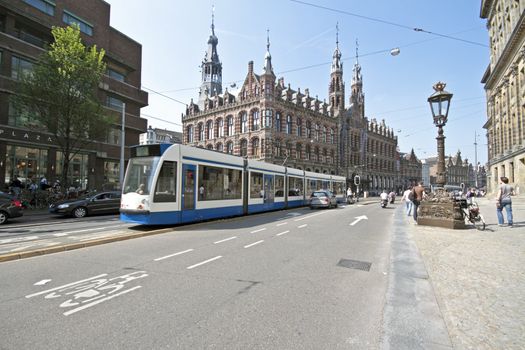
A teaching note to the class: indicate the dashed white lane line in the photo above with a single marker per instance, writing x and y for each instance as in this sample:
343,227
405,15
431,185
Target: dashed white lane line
282,233
172,255
281,224
311,216
204,262
251,245
259,230
301,226
224,240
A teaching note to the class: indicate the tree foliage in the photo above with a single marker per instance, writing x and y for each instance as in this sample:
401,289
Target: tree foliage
60,94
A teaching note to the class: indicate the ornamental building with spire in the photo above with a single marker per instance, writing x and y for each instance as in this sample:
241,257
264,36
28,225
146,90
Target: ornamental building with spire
269,121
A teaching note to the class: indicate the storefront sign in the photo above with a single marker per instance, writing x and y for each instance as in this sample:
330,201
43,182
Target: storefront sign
7,133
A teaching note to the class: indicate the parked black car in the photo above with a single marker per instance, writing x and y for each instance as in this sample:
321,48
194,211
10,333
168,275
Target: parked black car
9,208
94,204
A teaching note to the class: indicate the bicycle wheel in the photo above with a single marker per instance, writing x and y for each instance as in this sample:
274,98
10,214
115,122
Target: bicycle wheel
479,222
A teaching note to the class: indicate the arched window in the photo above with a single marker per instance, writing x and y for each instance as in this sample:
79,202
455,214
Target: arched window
332,157
255,147
220,127
289,124
244,122
255,120
324,134
268,118
210,147
244,148
209,129
308,129
332,136
316,154
298,151
219,147
189,132
229,147
299,127
288,149
278,122
278,148
201,132
229,125
325,156
316,132
308,152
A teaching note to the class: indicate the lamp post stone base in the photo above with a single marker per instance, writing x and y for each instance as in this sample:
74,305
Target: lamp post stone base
442,211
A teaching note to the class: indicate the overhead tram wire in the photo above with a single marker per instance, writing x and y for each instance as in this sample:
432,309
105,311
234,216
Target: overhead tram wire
421,30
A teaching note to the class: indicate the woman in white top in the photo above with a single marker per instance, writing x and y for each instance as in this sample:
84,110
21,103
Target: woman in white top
408,202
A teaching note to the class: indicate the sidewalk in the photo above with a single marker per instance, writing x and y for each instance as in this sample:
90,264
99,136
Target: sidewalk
478,278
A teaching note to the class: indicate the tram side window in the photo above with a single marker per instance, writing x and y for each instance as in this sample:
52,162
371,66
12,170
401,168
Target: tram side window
279,186
325,185
339,187
256,185
219,183
166,187
311,186
295,186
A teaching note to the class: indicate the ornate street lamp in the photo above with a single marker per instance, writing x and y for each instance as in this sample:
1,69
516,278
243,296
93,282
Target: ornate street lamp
439,104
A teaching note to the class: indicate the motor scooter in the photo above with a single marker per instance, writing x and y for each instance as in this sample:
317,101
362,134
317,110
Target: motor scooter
350,199
384,203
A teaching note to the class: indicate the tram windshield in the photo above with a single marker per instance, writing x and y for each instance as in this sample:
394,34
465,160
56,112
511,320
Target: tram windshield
139,176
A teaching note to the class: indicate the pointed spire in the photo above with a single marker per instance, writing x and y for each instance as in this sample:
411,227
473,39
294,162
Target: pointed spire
268,69
211,67
356,77
337,65
213,19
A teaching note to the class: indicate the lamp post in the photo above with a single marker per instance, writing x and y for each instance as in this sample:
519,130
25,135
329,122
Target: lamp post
439,104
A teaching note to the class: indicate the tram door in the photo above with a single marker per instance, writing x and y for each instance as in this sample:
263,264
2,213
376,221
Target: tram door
268,189
188,191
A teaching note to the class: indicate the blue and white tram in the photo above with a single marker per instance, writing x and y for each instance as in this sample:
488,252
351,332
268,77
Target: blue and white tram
173,184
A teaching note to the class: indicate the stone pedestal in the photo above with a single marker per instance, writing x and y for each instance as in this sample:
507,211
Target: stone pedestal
442,211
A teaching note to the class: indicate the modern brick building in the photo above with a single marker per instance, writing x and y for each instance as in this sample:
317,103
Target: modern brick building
504,82
269,121
25,29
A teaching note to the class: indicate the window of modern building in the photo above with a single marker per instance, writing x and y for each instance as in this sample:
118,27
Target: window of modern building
111,175
2,23
229,122
244,122
244,148
255,120
289,124
113,136
45,6
114,103
78,170
20,67
116,75
28,164
229,147
85,27
30,35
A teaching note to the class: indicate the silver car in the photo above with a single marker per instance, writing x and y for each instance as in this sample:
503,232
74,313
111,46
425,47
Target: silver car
323,199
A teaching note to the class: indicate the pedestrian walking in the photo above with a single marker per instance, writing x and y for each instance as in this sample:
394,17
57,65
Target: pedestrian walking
408,201
16,187
504,201
419,194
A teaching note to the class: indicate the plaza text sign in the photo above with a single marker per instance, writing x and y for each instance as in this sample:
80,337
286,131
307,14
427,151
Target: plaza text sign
13,134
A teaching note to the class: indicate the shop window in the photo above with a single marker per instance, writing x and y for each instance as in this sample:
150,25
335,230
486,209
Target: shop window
28,164
77,172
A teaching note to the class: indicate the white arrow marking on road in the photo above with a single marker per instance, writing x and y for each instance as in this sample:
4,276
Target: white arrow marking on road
358,218
65,285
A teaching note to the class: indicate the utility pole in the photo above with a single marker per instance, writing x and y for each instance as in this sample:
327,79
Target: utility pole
475,159
122,143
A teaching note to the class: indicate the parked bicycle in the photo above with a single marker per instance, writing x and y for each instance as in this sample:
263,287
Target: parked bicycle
471,214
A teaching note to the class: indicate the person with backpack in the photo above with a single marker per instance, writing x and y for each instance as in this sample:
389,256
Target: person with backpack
408,200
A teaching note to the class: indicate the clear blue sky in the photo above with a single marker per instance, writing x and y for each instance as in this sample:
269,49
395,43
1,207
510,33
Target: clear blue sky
174,35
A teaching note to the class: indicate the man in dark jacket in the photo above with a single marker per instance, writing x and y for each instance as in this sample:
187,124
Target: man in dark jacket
419,194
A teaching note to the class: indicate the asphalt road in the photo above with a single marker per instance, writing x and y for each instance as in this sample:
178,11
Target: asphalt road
296,279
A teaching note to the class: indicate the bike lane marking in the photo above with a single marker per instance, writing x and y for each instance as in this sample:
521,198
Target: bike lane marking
204,262
65,285
172,255
67,313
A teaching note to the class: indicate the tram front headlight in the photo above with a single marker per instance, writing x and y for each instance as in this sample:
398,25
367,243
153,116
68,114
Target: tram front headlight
143,204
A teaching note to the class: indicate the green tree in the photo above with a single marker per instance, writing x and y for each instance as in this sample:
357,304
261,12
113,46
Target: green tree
60,94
